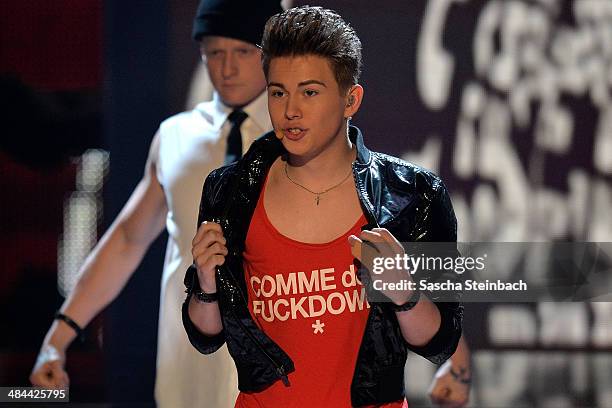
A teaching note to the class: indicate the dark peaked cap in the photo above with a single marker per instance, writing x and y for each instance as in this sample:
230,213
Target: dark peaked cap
239,19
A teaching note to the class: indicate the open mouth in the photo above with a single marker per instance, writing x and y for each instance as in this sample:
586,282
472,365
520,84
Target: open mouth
294,133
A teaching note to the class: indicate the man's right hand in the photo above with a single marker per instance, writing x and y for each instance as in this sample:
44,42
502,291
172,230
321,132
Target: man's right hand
48,372
209,251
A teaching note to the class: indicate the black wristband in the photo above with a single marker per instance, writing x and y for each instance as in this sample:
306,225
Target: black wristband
79,331
193,287
204,297
411,303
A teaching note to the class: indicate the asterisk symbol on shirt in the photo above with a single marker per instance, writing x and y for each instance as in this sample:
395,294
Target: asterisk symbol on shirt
318,326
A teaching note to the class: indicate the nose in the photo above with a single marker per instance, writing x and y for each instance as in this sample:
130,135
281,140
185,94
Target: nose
292,108
230,67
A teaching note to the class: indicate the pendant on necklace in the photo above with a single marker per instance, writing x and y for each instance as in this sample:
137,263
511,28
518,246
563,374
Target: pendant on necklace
317,199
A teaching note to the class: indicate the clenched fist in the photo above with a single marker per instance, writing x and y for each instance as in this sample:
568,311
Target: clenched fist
449,389
209,251
48,372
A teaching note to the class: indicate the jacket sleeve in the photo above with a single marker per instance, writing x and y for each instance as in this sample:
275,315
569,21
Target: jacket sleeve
204,344
436,235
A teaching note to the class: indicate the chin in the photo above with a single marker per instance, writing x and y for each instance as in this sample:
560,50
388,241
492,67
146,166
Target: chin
235,102
298,148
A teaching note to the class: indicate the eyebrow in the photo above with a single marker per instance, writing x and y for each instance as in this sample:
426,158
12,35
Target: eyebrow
303,83
311,82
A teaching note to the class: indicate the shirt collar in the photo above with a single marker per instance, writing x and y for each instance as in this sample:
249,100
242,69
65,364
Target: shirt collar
257,111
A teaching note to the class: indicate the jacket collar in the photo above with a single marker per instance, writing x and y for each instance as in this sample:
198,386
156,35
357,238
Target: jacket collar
363,153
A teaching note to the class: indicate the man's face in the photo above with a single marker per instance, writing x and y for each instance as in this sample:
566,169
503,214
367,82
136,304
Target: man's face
234,68
306,104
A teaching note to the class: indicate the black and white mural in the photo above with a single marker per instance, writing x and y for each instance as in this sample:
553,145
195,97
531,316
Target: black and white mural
510,102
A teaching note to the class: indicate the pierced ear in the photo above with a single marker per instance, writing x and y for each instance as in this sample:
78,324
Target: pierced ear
353,101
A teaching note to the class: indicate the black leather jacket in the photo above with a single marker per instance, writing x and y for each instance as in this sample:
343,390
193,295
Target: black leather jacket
410,202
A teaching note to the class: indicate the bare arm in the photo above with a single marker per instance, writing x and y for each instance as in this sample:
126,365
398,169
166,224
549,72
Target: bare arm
206,317
107,268
451,384
461,359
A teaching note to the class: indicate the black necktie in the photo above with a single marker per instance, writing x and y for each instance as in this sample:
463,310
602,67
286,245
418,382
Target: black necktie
234,139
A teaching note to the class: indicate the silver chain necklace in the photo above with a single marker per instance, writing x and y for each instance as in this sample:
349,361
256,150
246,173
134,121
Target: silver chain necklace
319,193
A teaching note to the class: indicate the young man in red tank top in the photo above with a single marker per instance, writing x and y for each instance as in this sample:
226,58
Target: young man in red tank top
275,276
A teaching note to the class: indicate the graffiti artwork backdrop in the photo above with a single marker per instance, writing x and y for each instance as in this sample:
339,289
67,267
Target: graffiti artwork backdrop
509,101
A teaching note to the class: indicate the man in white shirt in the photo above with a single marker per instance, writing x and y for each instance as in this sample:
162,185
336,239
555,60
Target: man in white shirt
185,149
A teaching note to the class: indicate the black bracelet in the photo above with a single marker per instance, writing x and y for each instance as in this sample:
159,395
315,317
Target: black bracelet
411,303
79,331
193,287
204,297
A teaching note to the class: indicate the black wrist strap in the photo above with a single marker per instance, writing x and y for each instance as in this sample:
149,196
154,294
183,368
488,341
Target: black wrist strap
204,297
193,287
79,331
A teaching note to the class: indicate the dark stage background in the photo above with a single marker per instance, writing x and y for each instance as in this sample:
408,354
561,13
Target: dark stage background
509,101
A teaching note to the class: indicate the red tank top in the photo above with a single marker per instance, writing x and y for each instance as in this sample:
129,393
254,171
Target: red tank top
306,298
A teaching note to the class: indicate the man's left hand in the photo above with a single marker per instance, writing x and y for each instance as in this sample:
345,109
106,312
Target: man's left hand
380,243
